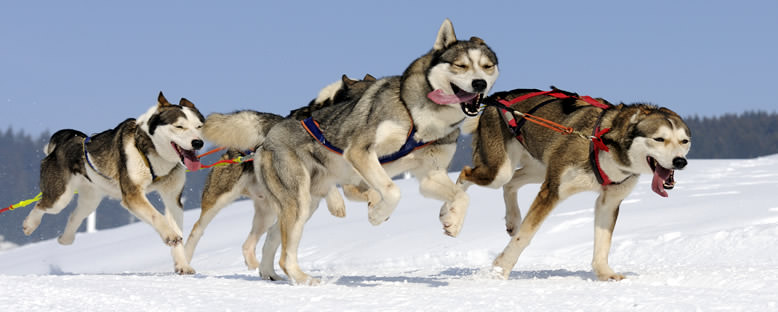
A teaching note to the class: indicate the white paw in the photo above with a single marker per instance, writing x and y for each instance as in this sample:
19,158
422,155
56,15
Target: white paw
66,240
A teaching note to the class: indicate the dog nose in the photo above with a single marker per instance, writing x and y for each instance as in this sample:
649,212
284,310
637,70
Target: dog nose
197,144
479,85
679,162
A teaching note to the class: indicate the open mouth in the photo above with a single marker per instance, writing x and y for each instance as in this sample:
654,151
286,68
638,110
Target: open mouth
663,177
188,157
470,102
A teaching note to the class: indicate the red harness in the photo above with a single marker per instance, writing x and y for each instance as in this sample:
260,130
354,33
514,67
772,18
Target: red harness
595,146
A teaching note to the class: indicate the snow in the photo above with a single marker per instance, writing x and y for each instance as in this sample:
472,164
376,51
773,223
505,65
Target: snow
710,246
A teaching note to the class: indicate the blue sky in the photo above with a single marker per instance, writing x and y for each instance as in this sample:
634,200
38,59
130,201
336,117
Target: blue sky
91,64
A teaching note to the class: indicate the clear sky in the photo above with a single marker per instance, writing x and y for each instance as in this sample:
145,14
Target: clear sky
89,65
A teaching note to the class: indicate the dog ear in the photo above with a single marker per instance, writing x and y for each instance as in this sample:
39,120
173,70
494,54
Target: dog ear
446,36
476,40
162,101
186,103
369,77
348,82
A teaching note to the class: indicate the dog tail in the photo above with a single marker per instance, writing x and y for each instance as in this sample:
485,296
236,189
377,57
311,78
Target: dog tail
242,130
60,137
470,124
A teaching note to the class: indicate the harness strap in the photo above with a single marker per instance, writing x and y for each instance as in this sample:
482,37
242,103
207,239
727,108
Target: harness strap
517,125
148,163
410,145
313,129
595,147
86,156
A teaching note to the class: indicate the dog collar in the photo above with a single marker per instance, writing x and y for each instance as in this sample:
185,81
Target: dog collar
411,144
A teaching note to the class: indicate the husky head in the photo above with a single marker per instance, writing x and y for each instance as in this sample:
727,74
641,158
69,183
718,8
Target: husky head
462,71
175,130
657,141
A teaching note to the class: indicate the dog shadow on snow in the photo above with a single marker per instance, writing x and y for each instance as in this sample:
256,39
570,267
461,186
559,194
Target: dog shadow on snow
437,280
446,276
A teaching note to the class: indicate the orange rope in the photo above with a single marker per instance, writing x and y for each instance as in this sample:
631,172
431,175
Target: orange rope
210,152
548,124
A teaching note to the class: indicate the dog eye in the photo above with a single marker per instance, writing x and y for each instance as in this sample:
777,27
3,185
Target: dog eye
685,142
659,139
462,66
488,66
179,127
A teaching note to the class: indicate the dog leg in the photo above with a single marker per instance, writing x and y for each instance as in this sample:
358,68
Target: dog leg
366,164
211,205
264,217
436,184
292,222
174,213
335,203
521,177
269,249
88,200
546,200
171,235
52,202
356,193
606,213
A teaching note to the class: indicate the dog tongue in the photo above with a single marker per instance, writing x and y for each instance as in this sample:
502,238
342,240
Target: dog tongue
191,161
439,97
657,184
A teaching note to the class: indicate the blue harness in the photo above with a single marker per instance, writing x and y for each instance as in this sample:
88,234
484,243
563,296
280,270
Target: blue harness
410,145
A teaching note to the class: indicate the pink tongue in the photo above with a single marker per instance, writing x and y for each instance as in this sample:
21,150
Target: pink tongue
657,184
438,97
191,161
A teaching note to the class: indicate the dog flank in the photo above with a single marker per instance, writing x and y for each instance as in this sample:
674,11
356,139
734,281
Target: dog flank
124,163
642,139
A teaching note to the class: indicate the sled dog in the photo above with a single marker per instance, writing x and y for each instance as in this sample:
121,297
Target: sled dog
151,153
226,183
624,142
385,132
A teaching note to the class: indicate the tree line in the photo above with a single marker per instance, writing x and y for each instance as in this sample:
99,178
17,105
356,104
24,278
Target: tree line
745,135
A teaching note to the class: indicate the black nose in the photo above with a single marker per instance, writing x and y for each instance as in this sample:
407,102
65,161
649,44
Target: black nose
197,144
479,85
679,162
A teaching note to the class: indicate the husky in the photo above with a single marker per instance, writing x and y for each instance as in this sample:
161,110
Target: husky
400,123
151,153
615,145
226,183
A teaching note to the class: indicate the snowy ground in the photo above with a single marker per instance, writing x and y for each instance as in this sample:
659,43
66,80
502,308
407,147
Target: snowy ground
712,245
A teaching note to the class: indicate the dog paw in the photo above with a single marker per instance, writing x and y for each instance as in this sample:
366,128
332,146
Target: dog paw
309,281
172,240
379,213
337,210
610,276
499,273
451,229
66,240
251,262
270,276
29,226
184,269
